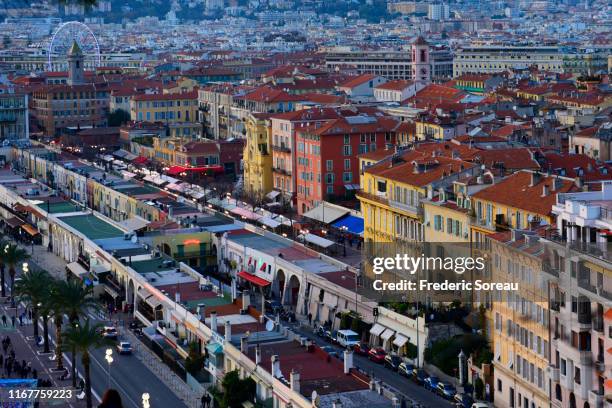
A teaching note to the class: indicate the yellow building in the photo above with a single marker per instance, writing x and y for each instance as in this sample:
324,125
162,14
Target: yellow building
447,219
393,191
516,202
166,108
195,249
519,322
257,157
439,128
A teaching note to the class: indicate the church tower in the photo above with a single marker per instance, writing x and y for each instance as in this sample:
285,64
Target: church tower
75,65
421,67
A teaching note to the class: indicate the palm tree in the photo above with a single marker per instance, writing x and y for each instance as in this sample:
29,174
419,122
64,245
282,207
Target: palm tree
77,300
32,289
82,338
45,312
12,256
3,247
58,307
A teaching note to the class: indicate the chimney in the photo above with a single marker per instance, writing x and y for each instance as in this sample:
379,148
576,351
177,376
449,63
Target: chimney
213,321
257,355
202,312
348,361
244,344
337,404
228,331
545,190
276,371
578,182
294,379
246,300
535,178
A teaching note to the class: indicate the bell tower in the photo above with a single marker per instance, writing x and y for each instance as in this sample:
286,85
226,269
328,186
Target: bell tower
75,65
421,67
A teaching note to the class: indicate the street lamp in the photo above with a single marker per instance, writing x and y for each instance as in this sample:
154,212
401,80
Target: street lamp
145,400
109,360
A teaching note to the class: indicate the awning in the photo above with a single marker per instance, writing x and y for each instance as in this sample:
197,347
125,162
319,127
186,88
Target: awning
135,223
377,329
317,240
272,195
243,212
387,334
114,294
30,229
153,301
180,187
176,170
326,213
20,207
256,280
14,222
269,222
140,160
350,223
400,340
352,186
76,269
214,348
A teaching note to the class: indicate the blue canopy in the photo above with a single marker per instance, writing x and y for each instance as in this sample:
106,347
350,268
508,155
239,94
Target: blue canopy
352,223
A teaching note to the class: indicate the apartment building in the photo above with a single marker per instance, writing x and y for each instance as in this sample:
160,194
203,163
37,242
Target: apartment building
14,117
166,108
327,168
257,157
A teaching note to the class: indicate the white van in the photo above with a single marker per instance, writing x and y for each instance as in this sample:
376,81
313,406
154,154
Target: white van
347,338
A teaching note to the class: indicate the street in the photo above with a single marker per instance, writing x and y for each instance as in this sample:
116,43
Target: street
129,375
380,372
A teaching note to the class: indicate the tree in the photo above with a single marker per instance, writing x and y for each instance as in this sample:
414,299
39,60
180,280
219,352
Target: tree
236,390
58,306
32,289
77,301
3,247
82,338
479,388
195,360
13,255
118,117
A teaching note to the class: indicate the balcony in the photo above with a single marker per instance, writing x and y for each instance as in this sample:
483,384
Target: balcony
598,324
499,225
590,290
554,373
596,398
282,148
551,270
600,364
282,171
416,211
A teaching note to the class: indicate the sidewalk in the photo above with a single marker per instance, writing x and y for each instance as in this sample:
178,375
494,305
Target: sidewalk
25,349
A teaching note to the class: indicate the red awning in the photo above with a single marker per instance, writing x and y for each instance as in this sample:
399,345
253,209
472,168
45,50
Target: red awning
256,280
140,160
175,170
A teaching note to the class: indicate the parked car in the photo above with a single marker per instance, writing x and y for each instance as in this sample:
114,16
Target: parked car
405,369
392,361
319,331
361,349
419,375
463,400
333,352
124,347
347,338
481,405
377,355
331,336
431,383
109,332
446,390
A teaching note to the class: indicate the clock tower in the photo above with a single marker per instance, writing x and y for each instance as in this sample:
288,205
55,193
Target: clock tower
421,67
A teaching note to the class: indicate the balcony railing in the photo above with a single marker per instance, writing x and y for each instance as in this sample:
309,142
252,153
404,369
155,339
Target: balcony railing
282,148
281,171
594,290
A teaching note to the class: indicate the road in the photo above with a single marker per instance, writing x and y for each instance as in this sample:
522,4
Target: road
380,372
129,375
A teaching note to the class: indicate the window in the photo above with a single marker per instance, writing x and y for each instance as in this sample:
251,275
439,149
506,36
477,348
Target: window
329,178
347,164
499,385
329,165
347,150
347,139
347,177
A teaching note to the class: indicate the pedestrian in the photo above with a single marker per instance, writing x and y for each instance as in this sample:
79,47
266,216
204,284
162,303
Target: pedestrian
111,399
12,353
4,320
1,360
30,316
13,321
34,373
310,318
21,319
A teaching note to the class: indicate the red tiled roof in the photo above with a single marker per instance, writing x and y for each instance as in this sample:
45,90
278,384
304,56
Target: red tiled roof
395,85
166,97
270,95
515,191
358,80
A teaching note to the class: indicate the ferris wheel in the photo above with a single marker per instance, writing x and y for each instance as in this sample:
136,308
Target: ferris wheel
63,38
